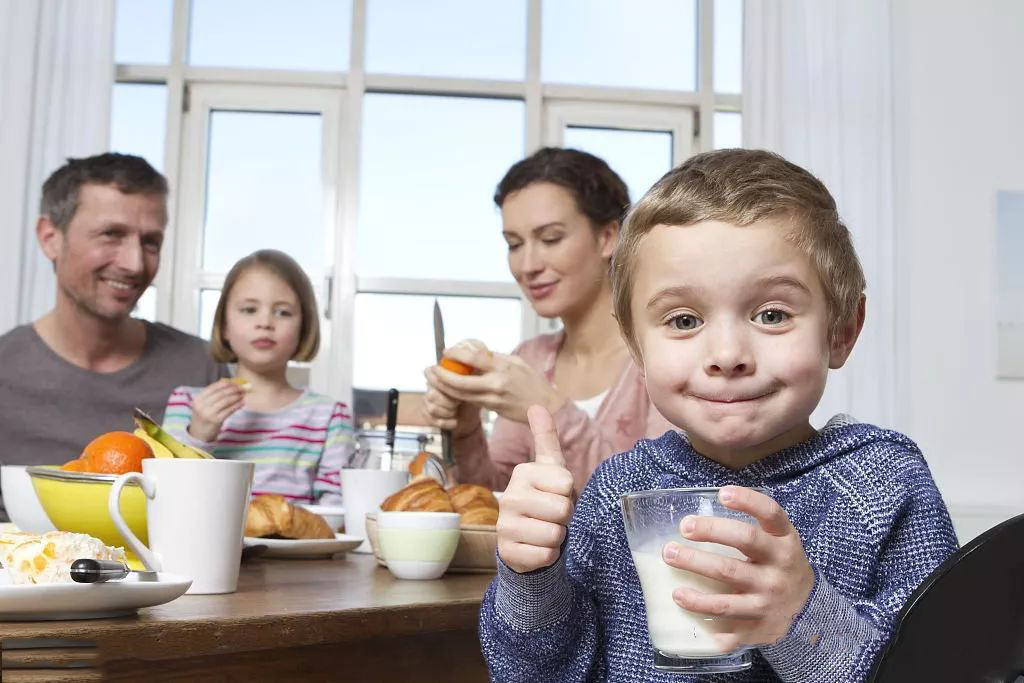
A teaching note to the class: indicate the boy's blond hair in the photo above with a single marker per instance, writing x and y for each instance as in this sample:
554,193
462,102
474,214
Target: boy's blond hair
741,186
285,267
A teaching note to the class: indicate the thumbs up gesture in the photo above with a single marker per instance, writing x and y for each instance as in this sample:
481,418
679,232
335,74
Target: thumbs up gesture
535,509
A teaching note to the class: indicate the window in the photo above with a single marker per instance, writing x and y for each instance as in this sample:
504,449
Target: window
366,139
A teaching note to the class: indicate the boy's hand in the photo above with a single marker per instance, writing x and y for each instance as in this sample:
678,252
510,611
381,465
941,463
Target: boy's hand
212,406
535,509
769,590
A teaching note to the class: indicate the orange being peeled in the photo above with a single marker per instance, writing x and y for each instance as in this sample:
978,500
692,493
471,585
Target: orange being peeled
76,465
455,366
116,453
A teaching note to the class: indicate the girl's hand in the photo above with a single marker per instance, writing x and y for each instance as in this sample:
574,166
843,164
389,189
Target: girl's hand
502,383
535,509
769,590
212,406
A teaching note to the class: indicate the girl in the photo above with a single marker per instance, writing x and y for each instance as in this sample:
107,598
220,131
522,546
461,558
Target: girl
299,440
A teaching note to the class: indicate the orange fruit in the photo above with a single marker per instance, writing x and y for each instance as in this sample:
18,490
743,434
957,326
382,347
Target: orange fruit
76,465
455,366
116,453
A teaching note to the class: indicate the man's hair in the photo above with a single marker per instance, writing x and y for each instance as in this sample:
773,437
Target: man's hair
130,174
742,186
599,192
286,268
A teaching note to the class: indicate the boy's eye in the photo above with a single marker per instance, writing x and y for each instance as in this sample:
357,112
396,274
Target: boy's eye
771,317
685,322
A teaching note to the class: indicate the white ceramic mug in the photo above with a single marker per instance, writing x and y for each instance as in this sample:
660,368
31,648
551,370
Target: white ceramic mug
362,491
195,512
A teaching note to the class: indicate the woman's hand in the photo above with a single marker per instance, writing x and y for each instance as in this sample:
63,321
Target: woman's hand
502,383
212,406
769,590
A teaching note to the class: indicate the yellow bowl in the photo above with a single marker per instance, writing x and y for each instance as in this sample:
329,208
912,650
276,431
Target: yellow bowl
77,502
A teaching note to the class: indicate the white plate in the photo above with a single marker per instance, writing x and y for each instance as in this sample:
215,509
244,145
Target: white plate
44,602
304,547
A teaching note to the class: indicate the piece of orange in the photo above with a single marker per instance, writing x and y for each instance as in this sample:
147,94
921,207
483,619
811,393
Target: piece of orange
116,453
76,465
455,366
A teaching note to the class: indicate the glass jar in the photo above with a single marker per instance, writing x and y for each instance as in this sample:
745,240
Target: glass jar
371,446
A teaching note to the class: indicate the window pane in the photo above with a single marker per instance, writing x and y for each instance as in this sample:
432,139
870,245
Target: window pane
463,38
142,31
429,168
728,45
394,334
311,35
139,121
640,157
208,299
263,189
145,307
728,129
632,43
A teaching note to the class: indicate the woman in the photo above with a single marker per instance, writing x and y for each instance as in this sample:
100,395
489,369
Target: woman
561,211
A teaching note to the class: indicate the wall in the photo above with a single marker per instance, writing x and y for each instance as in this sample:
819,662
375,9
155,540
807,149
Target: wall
959,137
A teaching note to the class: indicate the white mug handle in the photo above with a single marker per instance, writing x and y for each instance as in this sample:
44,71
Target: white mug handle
149,559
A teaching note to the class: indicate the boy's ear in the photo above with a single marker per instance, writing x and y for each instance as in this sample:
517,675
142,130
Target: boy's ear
845,337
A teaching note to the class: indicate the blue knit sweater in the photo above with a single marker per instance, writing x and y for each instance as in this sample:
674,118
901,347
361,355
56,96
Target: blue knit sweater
871,520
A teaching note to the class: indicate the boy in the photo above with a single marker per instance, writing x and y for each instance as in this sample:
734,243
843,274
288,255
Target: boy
737,288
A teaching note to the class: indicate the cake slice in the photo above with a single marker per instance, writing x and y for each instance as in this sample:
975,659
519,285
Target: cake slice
47,558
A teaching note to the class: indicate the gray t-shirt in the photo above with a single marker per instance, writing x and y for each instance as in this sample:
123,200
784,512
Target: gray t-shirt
50,409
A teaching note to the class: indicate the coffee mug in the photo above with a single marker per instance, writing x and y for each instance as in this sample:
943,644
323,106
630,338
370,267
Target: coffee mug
195,510
363,491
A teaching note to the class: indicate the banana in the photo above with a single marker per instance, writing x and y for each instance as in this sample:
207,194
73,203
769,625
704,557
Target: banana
159,450
176,448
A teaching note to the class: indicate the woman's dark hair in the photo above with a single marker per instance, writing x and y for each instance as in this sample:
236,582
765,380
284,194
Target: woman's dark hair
599,192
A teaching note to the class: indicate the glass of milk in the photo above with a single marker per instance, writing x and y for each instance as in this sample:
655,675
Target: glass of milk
682,640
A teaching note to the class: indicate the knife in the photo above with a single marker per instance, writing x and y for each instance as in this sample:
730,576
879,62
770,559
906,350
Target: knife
87,570
446,435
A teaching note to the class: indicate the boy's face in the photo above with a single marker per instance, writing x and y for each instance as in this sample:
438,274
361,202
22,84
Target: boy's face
731,324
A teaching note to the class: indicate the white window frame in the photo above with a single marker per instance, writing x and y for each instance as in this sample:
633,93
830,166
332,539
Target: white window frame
190,278
544,102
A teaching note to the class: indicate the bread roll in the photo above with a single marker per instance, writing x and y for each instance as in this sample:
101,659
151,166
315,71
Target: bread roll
474,503
272,515
422,495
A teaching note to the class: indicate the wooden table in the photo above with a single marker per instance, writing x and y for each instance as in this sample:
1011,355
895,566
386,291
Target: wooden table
302,620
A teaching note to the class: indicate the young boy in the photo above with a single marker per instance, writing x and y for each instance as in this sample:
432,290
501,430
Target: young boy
737,288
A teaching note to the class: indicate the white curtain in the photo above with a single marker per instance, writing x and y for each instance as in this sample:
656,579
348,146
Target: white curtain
56,78
817,85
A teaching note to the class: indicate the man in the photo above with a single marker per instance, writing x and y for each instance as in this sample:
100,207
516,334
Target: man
79,370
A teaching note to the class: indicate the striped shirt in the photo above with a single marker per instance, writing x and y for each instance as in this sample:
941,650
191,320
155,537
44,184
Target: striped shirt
299,450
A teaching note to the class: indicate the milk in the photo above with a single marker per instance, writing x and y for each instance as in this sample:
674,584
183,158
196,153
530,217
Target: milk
673,630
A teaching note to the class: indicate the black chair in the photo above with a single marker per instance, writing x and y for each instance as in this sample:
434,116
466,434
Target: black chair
965,623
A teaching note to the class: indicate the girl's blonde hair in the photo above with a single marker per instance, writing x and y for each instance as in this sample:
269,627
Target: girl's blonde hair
285,267
741,186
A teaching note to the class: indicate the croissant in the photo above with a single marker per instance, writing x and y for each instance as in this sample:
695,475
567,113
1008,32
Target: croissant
474,503
422,495
272,515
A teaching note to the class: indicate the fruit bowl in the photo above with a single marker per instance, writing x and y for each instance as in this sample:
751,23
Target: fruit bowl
77,501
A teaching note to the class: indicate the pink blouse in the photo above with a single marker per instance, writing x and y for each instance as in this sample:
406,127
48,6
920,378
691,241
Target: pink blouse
625,416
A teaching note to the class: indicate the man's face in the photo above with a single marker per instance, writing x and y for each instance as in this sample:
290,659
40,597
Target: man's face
732,328
109,253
